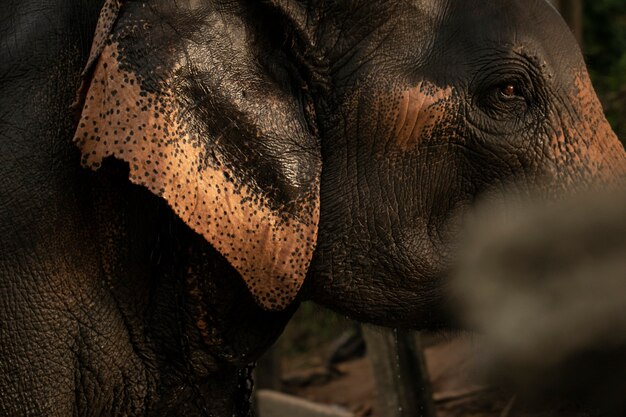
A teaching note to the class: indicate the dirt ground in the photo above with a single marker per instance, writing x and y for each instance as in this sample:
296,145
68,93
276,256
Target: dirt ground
451,363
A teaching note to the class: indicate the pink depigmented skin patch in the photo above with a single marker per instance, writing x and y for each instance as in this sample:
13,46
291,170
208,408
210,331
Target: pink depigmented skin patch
271,250
108,17
421,108
586,145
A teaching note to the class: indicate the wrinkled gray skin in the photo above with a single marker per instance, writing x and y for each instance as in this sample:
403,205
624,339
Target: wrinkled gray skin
546,287
111,305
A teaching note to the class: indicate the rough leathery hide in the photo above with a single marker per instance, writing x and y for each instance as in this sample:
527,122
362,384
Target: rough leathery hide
151,129
582,145
420,110
604,153
108,16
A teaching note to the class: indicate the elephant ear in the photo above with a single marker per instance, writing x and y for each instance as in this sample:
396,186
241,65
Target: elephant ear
211,115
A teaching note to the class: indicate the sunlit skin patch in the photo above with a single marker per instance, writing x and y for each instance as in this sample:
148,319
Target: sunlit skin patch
106,21
420,109
271,250
586,144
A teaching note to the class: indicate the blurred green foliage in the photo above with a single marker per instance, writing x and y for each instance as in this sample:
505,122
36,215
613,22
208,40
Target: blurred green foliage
605,51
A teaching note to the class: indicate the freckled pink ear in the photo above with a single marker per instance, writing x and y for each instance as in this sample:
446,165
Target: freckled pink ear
171,150
108,16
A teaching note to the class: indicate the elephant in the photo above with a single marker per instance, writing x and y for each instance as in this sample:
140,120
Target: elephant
177,176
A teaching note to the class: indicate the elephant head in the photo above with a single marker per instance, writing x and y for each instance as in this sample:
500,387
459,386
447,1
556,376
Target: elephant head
441,103
341,140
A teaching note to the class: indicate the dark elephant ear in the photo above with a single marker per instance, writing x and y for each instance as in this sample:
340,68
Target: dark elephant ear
217,129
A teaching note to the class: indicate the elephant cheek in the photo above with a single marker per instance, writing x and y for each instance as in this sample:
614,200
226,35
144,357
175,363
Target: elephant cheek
588,147
419,111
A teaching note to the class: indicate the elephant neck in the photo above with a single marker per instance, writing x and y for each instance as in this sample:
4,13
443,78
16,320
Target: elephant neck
189,315
40,34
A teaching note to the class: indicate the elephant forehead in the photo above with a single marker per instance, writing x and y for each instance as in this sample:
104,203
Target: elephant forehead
270,249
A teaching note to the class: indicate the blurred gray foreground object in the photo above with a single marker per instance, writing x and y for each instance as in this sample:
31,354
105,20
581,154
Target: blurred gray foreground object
547,288
276,404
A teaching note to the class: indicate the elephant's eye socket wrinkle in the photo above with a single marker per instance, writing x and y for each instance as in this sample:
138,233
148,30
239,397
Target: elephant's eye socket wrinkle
507,90
505,100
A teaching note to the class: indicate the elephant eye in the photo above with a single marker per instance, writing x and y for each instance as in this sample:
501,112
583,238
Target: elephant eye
508,94
505,100
509,90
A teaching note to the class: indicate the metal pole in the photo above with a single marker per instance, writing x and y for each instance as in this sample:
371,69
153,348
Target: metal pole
402,380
